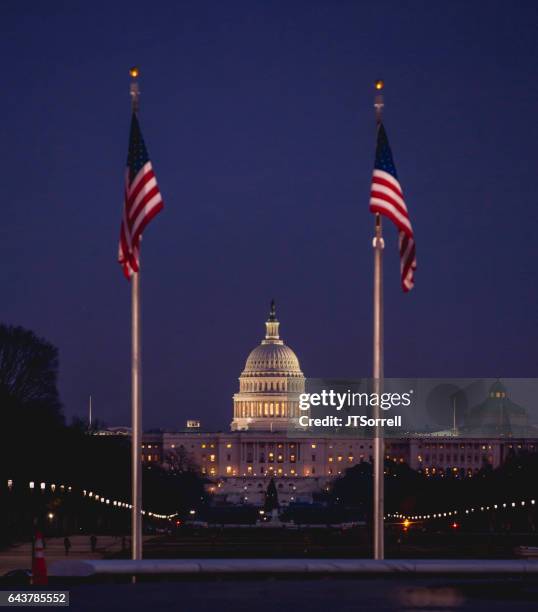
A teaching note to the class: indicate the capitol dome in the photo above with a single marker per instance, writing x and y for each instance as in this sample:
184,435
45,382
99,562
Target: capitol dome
272,359
269,384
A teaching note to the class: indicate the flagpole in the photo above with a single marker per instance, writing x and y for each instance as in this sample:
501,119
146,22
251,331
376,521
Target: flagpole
136,383
379,450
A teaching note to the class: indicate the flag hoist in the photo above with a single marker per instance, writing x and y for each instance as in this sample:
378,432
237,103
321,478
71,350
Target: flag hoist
142,201
386,199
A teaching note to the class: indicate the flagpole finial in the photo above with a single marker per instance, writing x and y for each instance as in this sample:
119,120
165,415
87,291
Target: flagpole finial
134,90
379,102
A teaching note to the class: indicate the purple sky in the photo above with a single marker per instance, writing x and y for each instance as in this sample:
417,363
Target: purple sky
259,121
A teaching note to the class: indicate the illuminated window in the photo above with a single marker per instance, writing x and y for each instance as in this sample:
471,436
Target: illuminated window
249,469
229,445
340,457
292,471
212,471
228,469
212,458
330,459
292,458
204,445
314,445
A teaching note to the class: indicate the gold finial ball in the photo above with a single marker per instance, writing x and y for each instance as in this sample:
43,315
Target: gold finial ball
379,84
134,72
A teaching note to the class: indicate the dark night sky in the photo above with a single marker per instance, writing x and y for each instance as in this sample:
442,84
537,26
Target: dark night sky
259,121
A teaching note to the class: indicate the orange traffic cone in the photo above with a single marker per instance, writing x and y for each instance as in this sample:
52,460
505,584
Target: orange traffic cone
39,566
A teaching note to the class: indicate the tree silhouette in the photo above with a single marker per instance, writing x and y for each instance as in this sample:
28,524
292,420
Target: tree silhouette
28,379
30,408
179,460
271,497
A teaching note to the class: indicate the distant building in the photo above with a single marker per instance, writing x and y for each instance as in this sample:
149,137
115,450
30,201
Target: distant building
261,445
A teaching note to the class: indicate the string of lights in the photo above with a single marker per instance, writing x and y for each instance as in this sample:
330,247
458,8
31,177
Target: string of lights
466,511
97,497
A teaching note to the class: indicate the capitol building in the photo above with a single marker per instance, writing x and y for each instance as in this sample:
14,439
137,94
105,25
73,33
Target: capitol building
264,443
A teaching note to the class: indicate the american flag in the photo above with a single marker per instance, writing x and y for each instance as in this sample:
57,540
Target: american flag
142,200
386,198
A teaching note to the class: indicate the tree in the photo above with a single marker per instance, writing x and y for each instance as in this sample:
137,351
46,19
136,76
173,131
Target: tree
30,408
271,497
179,461
28,379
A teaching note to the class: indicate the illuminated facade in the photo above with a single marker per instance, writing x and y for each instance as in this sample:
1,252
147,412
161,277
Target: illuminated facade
261,444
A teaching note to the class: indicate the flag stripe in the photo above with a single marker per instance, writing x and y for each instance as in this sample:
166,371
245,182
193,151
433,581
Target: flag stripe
387,209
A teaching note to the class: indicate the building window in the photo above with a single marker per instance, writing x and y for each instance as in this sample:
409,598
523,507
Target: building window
228,469
229,445
314,445
212,458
